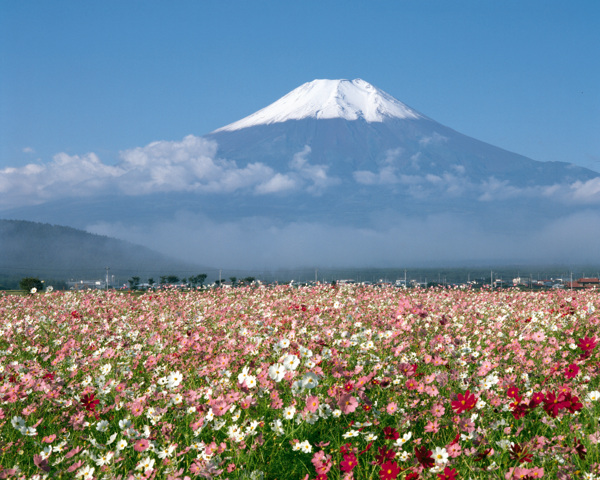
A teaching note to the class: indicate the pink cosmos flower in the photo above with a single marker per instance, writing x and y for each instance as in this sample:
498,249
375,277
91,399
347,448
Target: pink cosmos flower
391,408
136,409
438,410
219,408
141,445
347,404
312,403
539,336
432,427
454,450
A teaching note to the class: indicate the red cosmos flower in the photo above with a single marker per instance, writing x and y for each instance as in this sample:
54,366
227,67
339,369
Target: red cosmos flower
449,474
587,344
520,453
424,456
384,454
554,403
346,448
571,371
572,403
536,399
465,402
512,392
480,456
391,433
580,449
349,386
412,476
89,402
389,471
349,462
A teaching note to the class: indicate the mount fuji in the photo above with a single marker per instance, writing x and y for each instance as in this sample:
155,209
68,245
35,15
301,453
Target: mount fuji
336,172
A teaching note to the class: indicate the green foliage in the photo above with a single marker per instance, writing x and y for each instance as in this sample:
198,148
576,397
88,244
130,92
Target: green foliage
197,280
28,283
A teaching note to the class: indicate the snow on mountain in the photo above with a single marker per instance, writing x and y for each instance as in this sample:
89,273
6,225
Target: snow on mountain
327,99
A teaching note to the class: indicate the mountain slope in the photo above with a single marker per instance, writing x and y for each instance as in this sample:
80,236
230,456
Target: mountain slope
353,128
58,252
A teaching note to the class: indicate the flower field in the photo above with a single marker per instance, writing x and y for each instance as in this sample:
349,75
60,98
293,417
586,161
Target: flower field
300,383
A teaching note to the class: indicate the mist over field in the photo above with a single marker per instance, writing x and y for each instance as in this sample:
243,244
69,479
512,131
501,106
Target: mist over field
442,239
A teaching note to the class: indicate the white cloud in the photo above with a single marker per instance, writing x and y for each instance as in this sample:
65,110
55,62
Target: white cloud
277,183
316,175
432,139
189,165
28,150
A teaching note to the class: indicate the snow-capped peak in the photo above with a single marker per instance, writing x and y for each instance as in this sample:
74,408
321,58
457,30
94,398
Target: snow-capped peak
347,99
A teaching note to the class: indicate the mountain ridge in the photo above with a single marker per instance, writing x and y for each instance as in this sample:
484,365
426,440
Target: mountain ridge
63,252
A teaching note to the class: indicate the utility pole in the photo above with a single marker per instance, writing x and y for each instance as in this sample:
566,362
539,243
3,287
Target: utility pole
491,279
316,275
571,281
107,269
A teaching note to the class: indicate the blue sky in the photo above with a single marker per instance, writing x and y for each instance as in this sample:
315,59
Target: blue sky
103,77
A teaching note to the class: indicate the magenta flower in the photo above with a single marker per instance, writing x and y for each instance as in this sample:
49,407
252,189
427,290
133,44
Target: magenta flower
571,371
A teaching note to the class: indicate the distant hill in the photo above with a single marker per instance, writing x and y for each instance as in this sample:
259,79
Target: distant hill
59,253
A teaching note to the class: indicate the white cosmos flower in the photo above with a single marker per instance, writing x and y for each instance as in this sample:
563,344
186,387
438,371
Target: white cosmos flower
45,453
105,369
440,455
305,446
289,412
291,362
174,379
277,427
124,424
403,439
593,396
18,422
102,426
87,472
167,452
250,381
350,434
121,444
310,380
404,456
311,418
145,464
277,372
283,343
243,375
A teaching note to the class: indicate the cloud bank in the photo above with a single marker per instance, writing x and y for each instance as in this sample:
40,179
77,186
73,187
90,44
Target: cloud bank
189,165
192,165
392,240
